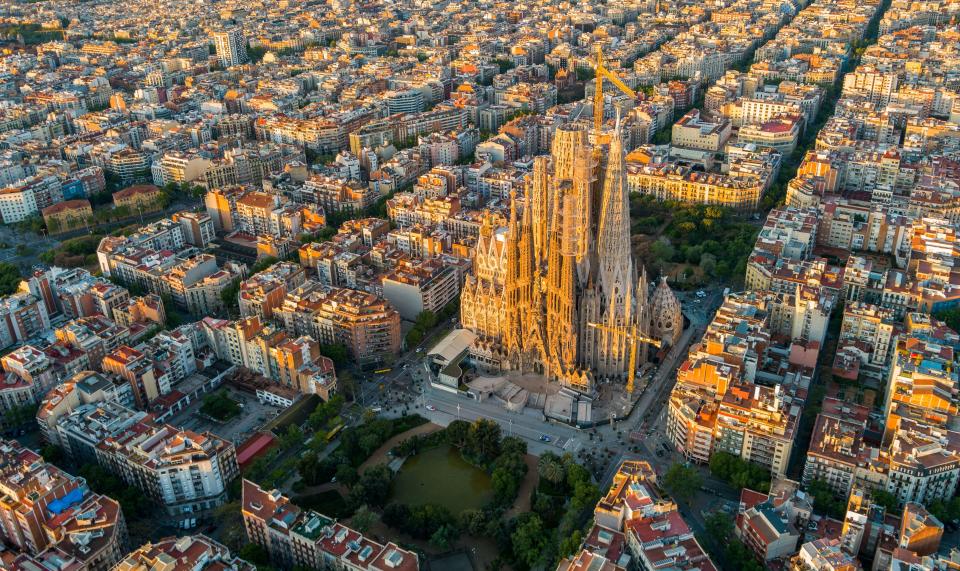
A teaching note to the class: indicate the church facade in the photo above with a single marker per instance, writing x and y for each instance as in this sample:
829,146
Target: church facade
561,266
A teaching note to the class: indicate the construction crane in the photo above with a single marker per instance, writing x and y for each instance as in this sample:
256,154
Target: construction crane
603,73
635,337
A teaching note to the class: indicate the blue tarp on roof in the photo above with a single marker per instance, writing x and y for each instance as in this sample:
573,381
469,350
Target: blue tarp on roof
931,365
59,505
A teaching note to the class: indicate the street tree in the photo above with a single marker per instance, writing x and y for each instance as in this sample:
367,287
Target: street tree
682,481
529,539
483,441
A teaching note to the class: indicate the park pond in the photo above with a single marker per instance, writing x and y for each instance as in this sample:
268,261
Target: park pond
441,476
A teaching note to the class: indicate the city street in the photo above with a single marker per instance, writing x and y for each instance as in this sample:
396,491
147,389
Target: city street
449,407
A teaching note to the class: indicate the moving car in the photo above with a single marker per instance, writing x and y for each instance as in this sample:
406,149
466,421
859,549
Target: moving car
545,438
431,407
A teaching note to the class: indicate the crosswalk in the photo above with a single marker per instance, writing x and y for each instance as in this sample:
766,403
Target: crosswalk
572,445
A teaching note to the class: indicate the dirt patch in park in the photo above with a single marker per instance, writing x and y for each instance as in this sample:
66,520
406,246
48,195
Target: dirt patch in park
522,503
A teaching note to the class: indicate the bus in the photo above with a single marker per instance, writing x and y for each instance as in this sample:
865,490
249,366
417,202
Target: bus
334,432
382,371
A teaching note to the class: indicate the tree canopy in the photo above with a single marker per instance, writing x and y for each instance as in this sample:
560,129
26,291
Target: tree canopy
682,481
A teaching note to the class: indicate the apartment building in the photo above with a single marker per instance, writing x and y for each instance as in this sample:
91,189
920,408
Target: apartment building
30,365
137,368
757,424
635,525
165,271
90,296
854,226
198,228
418,241
281,356
22,316
179,167
760,108
261,213
293,536
204,296
924,279
367,325
737,392
82,388
140,315
695,131
336,195
17,204
869,82
95,335
231,47
184,471
924,461
837,454
80,431
932,262
416,286
326,134
771,525
197,552
780,133
872,330
48,517
739,190
788,235
920,531
221,205
588,559
866,527
262,293
127,164
923,384
823,555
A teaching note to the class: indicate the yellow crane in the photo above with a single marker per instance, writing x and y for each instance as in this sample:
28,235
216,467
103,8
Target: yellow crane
635,337
603,73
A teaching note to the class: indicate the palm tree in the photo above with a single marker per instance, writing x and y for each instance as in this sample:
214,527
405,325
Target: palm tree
550,469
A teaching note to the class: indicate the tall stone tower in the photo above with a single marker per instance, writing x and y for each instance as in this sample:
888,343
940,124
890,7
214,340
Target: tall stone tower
619,299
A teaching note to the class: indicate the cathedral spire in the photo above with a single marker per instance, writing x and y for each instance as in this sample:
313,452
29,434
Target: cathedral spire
513,216
613,233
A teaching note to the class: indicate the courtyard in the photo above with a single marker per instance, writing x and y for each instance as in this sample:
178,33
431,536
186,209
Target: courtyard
253,414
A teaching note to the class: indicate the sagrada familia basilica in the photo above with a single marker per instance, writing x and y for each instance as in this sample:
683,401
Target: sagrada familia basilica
556,291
